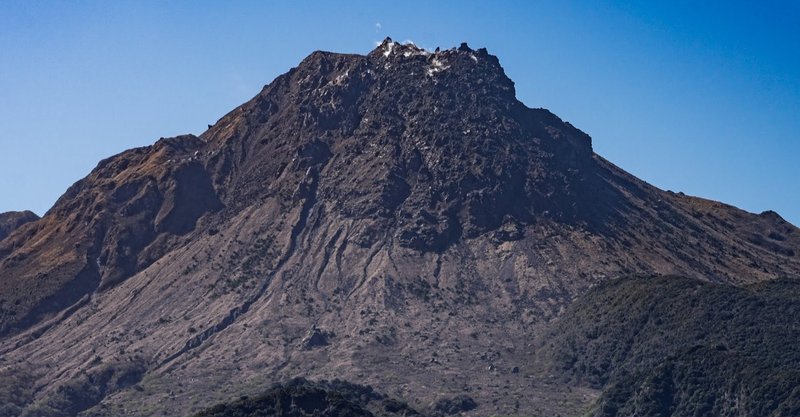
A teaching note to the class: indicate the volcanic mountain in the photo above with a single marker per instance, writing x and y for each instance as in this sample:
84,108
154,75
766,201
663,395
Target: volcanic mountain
397,219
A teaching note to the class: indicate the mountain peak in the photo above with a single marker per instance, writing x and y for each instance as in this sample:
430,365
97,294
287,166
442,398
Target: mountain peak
442,124
391,50
387,47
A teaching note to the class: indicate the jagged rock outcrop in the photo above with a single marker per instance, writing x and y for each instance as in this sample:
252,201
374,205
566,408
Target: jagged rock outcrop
403,200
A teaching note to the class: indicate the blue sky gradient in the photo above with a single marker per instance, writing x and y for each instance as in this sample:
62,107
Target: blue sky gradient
699,97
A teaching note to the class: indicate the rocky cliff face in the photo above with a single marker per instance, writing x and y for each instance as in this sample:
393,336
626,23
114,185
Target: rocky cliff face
404,204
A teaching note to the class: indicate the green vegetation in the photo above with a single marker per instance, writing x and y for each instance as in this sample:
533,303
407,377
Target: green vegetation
302,398
671,346
86,390
16,390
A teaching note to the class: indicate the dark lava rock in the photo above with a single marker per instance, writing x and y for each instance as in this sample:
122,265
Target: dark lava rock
455,405
316,338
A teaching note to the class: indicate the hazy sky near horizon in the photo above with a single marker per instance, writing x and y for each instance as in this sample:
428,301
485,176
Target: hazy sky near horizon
699,97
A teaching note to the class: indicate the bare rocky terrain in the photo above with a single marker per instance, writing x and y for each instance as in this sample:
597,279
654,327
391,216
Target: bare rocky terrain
398,220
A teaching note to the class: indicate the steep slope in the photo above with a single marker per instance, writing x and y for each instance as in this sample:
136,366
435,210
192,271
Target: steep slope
672,346
402,209
13,220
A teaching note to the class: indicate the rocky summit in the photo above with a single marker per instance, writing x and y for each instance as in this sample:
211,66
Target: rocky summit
398,220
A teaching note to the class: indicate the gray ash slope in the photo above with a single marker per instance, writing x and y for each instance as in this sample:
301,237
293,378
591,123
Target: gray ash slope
403,203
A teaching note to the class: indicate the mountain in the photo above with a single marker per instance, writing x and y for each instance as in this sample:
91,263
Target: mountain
398,220
13,220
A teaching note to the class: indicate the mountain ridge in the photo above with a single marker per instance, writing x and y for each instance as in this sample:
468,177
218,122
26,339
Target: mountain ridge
13,220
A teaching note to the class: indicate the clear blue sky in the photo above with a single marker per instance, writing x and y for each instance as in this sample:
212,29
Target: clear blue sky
699,97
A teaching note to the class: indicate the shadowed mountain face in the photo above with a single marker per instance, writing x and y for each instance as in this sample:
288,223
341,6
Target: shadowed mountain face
397,219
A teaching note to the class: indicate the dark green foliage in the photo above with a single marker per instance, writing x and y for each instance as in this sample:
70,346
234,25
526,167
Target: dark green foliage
671,346
705,381
87,390
16,390
302,398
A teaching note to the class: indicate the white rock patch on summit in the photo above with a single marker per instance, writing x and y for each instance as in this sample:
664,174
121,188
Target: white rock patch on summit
436,66
389,49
